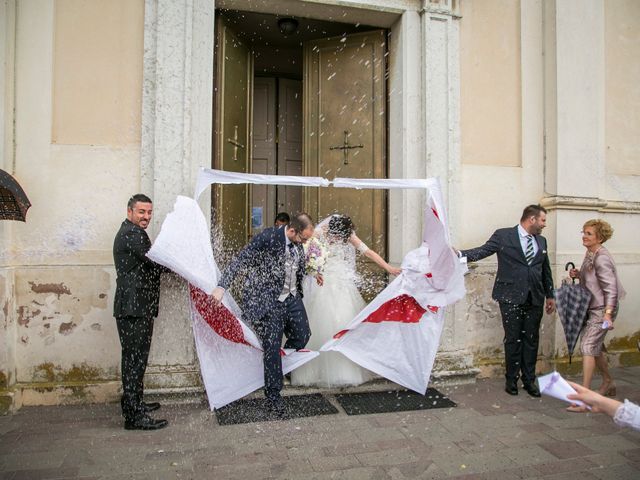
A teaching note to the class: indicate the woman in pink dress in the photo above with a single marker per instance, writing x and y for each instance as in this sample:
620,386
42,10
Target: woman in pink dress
598,274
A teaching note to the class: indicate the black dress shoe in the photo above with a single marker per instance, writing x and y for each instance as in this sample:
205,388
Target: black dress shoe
145,423
511,388
150,407
532,389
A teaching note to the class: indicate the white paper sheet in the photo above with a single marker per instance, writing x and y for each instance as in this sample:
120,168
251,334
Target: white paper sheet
183,245
555,386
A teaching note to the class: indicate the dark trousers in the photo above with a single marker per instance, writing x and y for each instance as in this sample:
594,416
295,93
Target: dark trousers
288,318
521,325
135,338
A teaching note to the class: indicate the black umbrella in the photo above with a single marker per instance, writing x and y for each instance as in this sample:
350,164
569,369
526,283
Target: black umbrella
13,201
572,302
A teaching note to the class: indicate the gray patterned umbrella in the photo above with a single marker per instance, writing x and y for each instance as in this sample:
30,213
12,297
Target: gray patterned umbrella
572,302
13,201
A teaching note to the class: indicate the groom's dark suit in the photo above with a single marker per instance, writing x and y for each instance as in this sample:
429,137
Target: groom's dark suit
521,290
262,265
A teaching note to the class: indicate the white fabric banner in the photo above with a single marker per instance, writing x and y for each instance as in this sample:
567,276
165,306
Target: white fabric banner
229,352
208,176
230,362
384,183
397,335
183,245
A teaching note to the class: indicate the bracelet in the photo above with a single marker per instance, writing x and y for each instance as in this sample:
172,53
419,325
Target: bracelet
608,311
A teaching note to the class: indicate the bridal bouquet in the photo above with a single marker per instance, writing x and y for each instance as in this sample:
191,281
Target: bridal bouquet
316,254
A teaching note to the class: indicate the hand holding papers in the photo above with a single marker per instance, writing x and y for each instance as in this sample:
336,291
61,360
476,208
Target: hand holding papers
555,386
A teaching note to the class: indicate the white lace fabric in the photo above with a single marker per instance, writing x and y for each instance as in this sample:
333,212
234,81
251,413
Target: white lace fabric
628,415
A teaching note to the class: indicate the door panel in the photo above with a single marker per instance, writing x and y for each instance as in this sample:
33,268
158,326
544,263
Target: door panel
263,197
345,106
233,83
289,142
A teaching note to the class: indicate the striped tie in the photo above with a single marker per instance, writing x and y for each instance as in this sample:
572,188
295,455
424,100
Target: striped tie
529,252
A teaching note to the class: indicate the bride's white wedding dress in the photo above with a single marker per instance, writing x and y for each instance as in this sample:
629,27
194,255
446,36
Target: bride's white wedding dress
330,309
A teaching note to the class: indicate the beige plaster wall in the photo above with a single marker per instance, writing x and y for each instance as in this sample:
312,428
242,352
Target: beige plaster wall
502,143
7,321
97,72
77,144
490,78
495,193
502,151
622,78
65,331
7,330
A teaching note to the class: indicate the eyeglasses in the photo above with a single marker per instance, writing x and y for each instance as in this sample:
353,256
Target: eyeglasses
301,238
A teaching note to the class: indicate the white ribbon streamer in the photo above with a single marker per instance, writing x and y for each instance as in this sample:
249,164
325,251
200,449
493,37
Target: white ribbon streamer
207,176
384,183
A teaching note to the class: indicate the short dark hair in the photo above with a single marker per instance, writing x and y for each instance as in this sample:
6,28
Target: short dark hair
138,197
340,226
282,217
532,211
300,222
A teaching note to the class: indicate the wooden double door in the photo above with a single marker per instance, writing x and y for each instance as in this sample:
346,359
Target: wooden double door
331,123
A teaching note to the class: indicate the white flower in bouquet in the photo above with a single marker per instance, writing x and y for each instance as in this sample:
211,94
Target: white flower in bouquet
316,254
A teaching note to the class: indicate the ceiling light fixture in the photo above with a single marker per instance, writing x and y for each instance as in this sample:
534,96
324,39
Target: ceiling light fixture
288,26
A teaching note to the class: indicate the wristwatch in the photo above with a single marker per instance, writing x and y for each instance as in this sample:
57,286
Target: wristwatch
608,311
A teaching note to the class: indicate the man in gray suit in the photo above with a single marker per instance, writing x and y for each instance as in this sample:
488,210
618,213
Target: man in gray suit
135,307
523,287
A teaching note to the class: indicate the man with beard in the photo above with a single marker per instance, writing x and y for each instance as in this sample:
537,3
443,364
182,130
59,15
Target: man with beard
135,307
272,267
523,287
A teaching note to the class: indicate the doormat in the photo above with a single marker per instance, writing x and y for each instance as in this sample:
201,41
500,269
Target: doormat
392,401
257,409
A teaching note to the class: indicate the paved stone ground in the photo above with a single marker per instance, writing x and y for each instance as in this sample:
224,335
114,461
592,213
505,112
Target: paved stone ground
490,435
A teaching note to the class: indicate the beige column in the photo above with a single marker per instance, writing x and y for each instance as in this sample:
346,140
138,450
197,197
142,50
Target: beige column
176,142
9,401
574,87
441,121
574,129
406,133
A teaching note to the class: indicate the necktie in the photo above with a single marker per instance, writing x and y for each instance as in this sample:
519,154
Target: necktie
529,251
292,252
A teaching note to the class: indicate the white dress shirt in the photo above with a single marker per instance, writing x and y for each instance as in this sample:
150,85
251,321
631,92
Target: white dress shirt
523,241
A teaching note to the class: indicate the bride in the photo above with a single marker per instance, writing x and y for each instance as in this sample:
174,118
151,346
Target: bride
331,307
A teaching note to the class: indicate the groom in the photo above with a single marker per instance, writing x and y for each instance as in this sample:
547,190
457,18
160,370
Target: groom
273,268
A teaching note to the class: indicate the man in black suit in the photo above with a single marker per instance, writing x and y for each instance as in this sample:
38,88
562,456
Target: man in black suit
523,287
272,267
135,307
